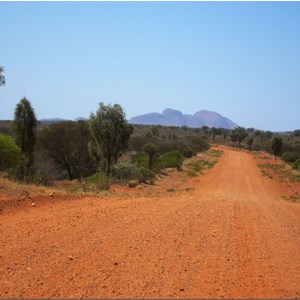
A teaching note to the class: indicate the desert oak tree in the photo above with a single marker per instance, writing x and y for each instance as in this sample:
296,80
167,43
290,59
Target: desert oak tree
276,145
24,128
110,135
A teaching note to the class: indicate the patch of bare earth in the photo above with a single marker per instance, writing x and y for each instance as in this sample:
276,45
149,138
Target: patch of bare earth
228,233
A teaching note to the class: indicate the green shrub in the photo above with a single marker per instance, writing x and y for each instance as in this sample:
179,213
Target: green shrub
196,143
122,171
171,159
256,147
133,173
10,153
296,165
100,180
291,156
188,152
140,159
142,174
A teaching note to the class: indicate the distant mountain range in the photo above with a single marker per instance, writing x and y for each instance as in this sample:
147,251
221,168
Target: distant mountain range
56,120
171,117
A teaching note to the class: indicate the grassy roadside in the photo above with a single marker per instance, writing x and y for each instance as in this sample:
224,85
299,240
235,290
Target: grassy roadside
205,161
280,171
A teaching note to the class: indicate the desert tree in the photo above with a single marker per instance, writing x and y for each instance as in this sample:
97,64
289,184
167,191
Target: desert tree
24,124
276,145
2,77
268,135
238,135
251,130
215,132
257,134
110,133
66,143
250,141
151,150
155,131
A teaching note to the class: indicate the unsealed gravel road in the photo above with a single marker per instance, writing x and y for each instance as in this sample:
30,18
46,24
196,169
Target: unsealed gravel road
229,233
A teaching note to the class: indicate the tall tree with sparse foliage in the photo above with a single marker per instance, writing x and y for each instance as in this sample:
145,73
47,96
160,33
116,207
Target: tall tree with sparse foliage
110,135
276,145
2,78
24,128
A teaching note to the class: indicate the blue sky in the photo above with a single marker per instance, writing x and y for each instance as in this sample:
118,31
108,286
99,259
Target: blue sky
240,59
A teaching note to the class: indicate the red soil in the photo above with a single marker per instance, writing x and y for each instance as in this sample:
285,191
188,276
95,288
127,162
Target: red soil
228,233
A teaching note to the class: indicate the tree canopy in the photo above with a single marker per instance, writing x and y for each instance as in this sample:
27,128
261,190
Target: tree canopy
110,135
238,135
67,144
2,78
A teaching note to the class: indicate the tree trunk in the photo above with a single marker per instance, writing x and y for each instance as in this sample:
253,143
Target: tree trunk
108,165
150,162
23,138
71,177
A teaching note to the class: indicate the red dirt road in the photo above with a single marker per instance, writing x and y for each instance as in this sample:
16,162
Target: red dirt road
228,233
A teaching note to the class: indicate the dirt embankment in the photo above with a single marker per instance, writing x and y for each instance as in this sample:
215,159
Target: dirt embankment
228,233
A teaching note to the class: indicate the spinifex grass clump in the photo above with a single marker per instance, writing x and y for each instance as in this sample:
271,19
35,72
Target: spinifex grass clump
100,181
216,153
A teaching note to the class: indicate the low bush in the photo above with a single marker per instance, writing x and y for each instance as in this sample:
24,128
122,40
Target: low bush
133,173
291,156
10,153
188,152
100,180
140,159
296,165
142,174
171,159
122,171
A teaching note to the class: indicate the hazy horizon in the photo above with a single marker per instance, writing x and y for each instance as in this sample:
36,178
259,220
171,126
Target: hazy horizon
239,59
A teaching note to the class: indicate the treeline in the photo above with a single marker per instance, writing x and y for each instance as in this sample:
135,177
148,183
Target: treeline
105,144
286,145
